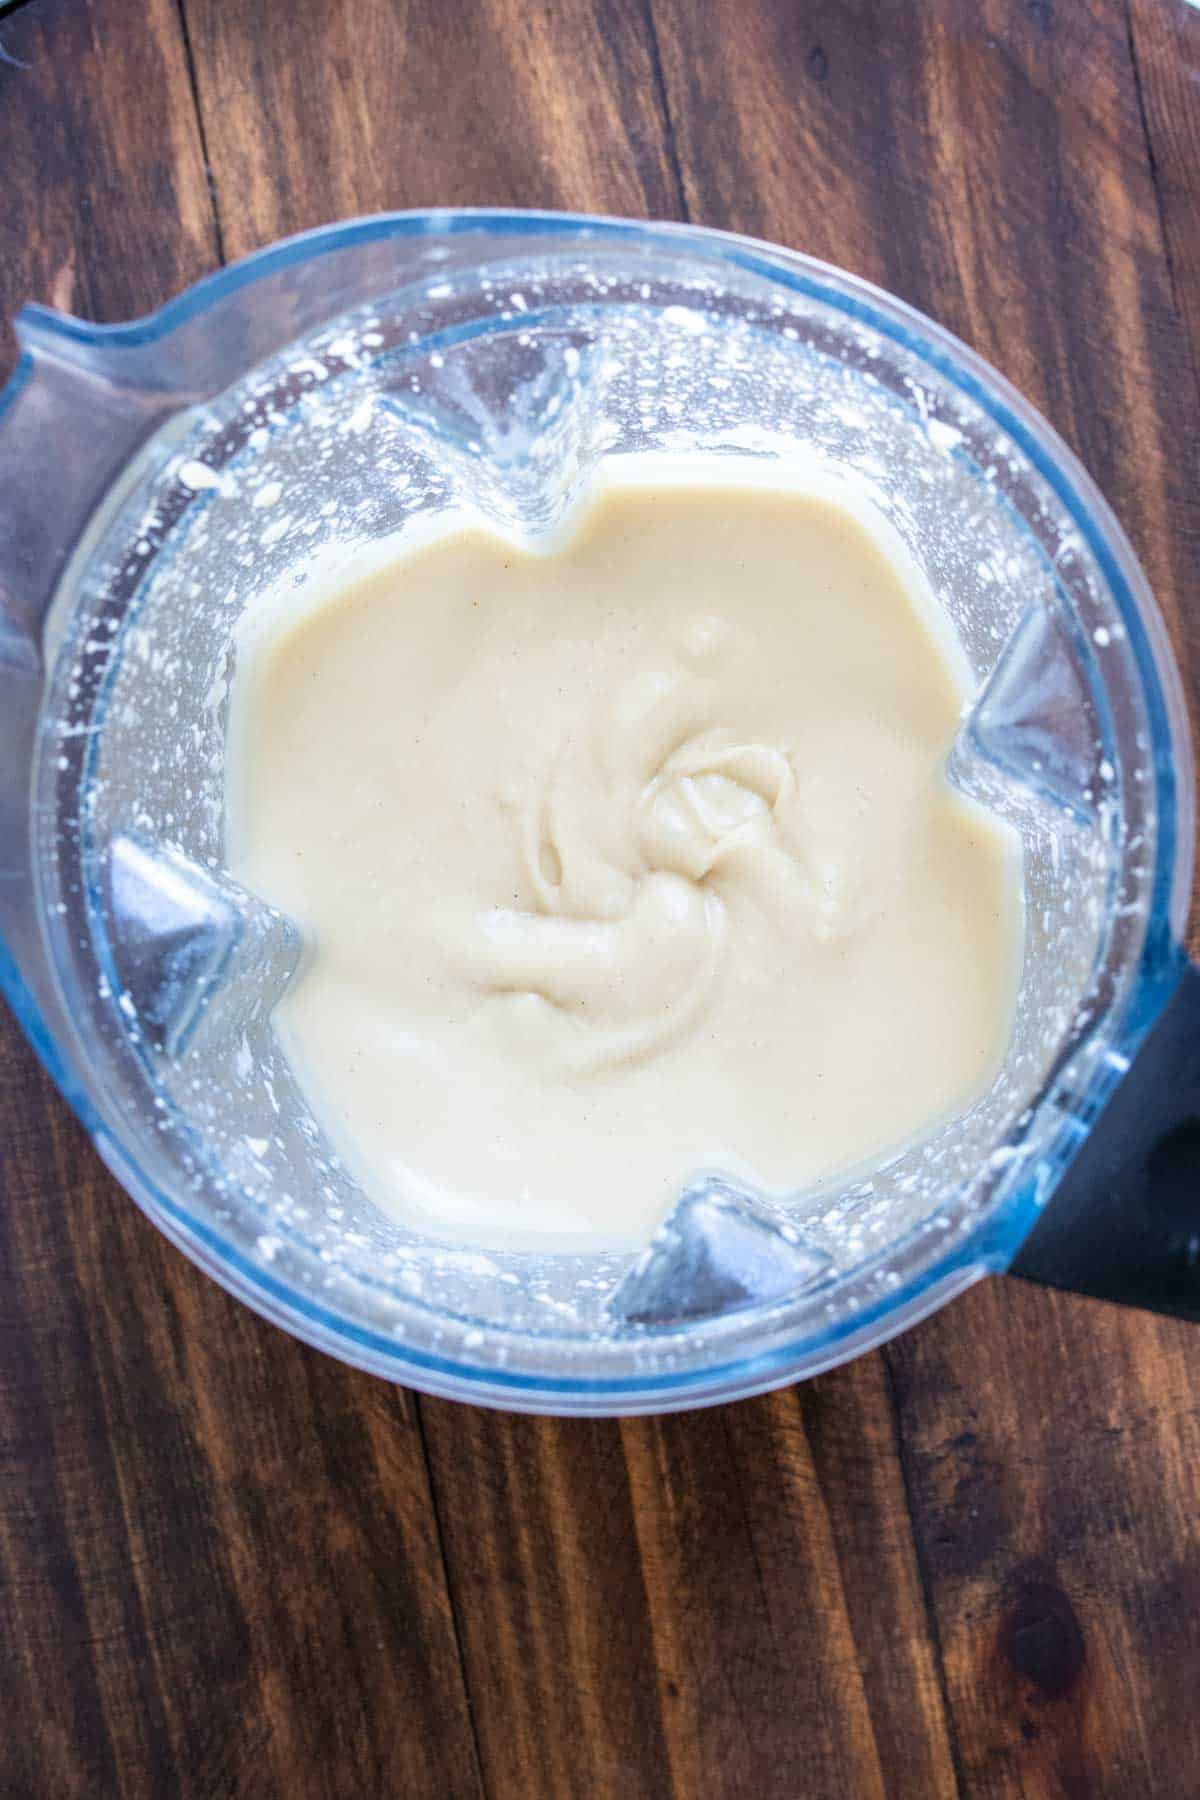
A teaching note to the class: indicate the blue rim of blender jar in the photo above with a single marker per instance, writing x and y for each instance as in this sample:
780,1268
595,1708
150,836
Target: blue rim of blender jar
988,1248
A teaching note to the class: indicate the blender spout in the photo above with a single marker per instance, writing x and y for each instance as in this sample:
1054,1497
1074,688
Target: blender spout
75,410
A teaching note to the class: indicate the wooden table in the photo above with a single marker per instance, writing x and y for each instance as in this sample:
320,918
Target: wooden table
967,1564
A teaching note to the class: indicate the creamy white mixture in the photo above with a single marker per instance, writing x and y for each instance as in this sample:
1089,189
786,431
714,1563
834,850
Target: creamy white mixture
623,858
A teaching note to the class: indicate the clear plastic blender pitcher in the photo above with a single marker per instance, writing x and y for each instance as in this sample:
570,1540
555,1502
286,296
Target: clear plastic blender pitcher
158,478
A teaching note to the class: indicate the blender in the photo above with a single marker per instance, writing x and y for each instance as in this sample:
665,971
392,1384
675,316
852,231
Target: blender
158,478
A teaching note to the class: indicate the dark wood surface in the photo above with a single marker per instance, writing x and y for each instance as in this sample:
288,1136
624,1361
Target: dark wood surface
967,1564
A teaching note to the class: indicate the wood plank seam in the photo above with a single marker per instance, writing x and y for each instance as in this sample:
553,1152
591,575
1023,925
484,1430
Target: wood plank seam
1156,182
202,132
764,1591
451,1596
663,102
924,1574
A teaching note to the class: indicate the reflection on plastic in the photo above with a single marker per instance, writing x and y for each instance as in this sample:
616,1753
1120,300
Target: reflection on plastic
184,938
717,1252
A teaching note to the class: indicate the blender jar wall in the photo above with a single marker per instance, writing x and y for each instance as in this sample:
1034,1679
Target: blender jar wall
495,368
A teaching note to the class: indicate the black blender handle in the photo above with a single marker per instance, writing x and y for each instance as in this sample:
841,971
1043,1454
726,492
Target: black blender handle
1124,1222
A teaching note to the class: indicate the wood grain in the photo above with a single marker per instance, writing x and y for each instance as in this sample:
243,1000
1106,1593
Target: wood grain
540,1535
1051,1456
1164,47
86,197
347,109
970,1564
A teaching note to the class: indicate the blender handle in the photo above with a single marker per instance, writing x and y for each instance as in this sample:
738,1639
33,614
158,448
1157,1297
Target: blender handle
1124,1221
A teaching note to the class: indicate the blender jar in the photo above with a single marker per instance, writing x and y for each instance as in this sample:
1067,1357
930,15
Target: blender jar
158,478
